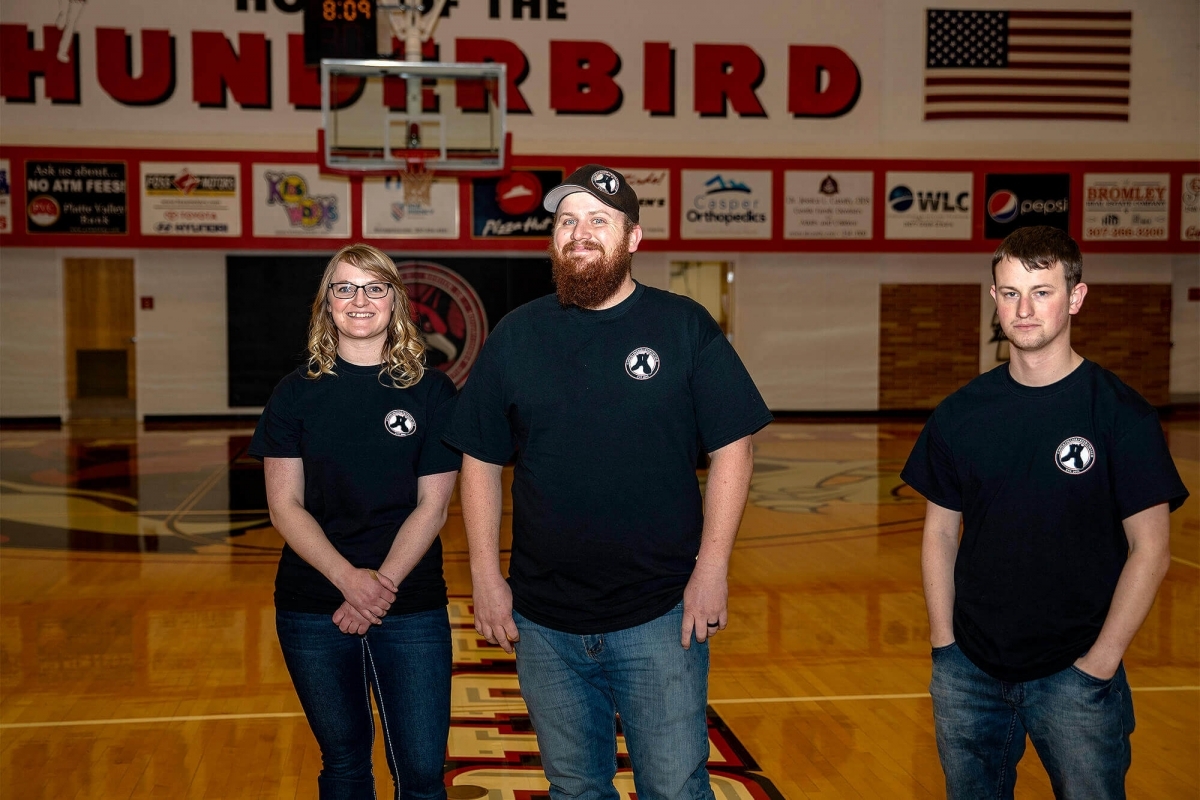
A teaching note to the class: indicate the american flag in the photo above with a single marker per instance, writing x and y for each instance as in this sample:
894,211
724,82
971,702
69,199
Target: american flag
1027,64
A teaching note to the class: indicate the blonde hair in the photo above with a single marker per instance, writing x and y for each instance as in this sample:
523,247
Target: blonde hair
403,349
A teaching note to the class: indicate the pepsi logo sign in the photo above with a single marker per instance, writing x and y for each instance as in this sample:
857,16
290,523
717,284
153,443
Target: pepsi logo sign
1003,206
1017,200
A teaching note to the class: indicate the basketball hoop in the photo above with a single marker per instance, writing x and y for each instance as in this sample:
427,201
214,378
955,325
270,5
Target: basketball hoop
416,182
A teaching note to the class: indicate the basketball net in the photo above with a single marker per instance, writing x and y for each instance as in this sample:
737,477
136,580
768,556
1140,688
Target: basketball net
416,181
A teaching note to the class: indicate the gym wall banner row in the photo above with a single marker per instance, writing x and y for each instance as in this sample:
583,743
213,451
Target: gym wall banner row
246,200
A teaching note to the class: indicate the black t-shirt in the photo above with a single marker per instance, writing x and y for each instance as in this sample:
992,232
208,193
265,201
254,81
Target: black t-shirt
364,445
1043,477
607,411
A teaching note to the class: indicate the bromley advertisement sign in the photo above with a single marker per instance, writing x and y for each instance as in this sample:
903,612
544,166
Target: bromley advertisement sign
1120,207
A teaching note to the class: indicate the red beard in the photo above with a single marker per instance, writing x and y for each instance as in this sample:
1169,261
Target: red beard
588,284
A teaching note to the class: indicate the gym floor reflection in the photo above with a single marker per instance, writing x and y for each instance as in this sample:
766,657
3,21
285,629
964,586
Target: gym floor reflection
138,655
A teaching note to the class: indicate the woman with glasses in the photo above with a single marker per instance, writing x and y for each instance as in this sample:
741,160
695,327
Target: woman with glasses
358,483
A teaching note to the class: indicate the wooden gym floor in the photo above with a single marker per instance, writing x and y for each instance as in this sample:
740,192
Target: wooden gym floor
138,656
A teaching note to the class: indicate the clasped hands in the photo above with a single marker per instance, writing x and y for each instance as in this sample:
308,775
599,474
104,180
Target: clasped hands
369,595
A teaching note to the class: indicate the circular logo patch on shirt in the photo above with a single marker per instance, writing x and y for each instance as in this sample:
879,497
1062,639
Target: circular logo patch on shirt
1075,455
400,423
642,364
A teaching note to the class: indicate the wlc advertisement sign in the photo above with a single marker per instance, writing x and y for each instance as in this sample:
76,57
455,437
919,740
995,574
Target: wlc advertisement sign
928,205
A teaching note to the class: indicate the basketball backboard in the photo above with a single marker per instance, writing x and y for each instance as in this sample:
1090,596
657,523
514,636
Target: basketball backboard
385,117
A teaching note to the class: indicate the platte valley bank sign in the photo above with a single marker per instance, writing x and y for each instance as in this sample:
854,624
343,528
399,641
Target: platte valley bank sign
583,76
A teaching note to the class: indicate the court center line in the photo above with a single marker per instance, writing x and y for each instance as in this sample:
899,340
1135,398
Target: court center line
910,696
149,720
1185,562
294,714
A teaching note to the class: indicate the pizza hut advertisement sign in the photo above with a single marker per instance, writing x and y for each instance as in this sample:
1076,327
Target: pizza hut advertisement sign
510,207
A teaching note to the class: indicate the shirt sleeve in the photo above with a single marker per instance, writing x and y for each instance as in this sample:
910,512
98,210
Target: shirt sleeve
479,425
436,457
279,429
727,403
1144,472
931,470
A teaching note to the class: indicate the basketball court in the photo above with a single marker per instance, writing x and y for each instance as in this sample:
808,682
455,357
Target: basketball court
138,654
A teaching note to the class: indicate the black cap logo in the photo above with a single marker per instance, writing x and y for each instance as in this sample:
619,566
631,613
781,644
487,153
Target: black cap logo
606,185
606,182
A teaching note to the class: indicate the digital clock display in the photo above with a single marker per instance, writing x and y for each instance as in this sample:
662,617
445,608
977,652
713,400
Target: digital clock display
339,29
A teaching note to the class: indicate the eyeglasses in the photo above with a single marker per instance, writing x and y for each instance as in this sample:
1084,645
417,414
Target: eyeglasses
348,291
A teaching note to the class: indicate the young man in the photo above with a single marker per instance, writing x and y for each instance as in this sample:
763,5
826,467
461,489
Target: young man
1060,476
618,575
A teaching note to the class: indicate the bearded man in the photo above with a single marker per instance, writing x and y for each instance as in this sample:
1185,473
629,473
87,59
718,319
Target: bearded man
618,574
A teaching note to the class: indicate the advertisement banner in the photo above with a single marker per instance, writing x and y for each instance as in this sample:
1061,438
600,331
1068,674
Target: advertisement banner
653,188
1020,201
827,205
76,197
1125,208
6,220
386,215
725,204
191,199
511,207
928,205
296,200
1189,218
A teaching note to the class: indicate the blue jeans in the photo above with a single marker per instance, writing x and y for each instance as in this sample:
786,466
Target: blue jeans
1078,724
406,663
575,686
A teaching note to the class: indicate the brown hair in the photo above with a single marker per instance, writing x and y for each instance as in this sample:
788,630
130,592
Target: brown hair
1041,247
403,349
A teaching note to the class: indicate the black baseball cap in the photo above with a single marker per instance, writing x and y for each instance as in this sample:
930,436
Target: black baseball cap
606,185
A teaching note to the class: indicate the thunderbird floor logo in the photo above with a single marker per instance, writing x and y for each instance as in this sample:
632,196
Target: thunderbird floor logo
204,496
799,486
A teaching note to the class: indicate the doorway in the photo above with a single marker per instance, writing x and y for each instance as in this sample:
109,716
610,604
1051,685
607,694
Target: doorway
709,283
100,338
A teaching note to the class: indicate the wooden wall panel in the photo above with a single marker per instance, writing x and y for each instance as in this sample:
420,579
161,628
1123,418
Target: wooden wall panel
1127,328
928,342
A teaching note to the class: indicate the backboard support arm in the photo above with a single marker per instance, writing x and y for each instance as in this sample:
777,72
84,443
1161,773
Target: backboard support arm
413,25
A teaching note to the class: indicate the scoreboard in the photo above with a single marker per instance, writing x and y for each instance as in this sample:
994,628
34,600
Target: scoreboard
339,29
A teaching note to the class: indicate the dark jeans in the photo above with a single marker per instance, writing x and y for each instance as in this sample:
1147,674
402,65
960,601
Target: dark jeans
406,663
1079,725
576,685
